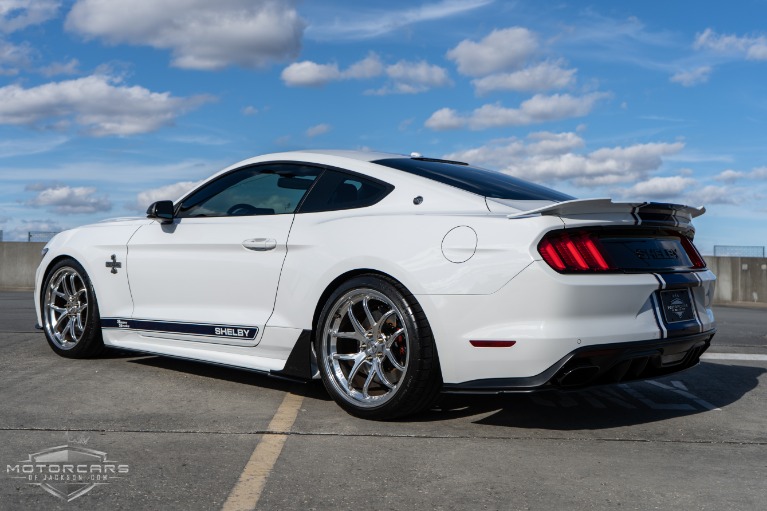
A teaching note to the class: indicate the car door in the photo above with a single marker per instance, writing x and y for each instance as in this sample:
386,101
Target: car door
211,274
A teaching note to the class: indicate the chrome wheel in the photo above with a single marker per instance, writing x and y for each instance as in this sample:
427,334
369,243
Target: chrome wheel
365,347
65,308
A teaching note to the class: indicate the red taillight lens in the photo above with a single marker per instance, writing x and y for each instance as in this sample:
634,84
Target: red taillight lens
692,253
576,251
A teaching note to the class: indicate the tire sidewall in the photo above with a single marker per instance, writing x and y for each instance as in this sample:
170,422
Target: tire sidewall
91,342
404,386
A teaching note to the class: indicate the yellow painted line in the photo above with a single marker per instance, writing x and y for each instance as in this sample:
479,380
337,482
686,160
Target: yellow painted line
245,494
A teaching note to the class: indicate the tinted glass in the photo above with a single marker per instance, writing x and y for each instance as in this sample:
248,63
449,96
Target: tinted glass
487,183
337,190
259,190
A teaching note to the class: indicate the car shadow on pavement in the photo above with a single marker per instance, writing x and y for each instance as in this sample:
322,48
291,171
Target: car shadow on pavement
310,389
702,389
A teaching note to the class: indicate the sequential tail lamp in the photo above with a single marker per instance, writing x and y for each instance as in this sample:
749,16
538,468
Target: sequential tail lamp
692,253
492,344
573,252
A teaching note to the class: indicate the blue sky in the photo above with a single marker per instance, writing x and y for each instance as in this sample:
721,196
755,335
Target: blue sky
106,106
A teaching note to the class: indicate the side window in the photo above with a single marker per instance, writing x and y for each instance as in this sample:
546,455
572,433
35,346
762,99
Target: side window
258,190
337,190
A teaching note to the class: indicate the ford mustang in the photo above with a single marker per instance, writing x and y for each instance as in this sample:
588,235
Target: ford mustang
392,278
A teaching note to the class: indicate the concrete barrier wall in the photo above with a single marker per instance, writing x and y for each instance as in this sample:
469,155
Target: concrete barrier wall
740,279
18,262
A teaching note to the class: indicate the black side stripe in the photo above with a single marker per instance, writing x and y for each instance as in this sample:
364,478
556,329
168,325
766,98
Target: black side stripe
217,331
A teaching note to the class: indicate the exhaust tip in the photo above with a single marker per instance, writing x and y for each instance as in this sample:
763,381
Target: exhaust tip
577,376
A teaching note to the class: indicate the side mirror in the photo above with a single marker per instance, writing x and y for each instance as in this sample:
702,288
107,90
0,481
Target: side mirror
161,210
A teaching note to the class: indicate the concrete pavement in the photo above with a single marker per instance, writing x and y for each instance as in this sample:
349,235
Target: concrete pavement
696,440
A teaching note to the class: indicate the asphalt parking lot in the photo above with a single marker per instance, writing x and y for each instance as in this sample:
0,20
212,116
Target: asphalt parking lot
187,433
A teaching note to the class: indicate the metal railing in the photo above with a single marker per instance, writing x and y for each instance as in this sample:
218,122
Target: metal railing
41,235
738,251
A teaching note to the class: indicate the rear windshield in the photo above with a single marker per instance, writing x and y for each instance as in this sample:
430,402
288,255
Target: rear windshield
487,183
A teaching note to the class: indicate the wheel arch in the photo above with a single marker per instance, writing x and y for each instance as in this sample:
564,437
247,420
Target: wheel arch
50,265
338,281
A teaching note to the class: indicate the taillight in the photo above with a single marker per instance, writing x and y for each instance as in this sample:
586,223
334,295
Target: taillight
692,253
573,251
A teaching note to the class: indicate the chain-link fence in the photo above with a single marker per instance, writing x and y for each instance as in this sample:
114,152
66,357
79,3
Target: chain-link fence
41,235
738,251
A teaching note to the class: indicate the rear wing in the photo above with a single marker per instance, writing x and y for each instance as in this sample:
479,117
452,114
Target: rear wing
641,213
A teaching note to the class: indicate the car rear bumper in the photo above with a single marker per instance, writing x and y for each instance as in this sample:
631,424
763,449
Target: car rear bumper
604,364
550,316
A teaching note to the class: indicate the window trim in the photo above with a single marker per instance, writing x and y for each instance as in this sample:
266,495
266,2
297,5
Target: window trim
352,174
321,168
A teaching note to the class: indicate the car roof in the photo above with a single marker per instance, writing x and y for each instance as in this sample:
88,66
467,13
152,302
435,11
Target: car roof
361,155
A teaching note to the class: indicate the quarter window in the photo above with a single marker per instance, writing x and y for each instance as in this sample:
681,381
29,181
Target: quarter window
258,190
338,190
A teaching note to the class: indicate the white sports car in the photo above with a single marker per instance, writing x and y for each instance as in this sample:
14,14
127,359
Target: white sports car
390,277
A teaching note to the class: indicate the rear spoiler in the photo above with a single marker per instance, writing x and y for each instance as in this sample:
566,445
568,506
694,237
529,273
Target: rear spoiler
644,213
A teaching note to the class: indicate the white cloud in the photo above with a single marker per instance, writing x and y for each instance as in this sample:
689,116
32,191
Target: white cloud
20,232
539,108
729,176
354,24
758,173
67,200
20,14
14,56
60,68
200,34
713,194
249,110
551,157
752,47
660,188
309,74
445,119
172,192
692,77
405,77
98,103
38,144
318,130
413,77
368,67
501,50
312,74
540,77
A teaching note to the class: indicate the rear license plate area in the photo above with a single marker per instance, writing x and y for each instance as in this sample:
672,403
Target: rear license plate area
677,305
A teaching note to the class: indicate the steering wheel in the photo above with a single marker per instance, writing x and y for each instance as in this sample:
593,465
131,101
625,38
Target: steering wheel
242,210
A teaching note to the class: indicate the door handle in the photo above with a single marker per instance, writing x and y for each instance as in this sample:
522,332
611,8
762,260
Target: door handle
260,244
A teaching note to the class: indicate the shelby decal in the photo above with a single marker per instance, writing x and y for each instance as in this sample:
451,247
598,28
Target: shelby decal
233,332
205,330
656,253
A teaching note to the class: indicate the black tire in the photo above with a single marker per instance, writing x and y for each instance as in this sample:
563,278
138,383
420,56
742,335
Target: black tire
356,371
67,303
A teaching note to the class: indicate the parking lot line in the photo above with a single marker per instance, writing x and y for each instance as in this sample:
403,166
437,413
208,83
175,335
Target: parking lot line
733,356
245,494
